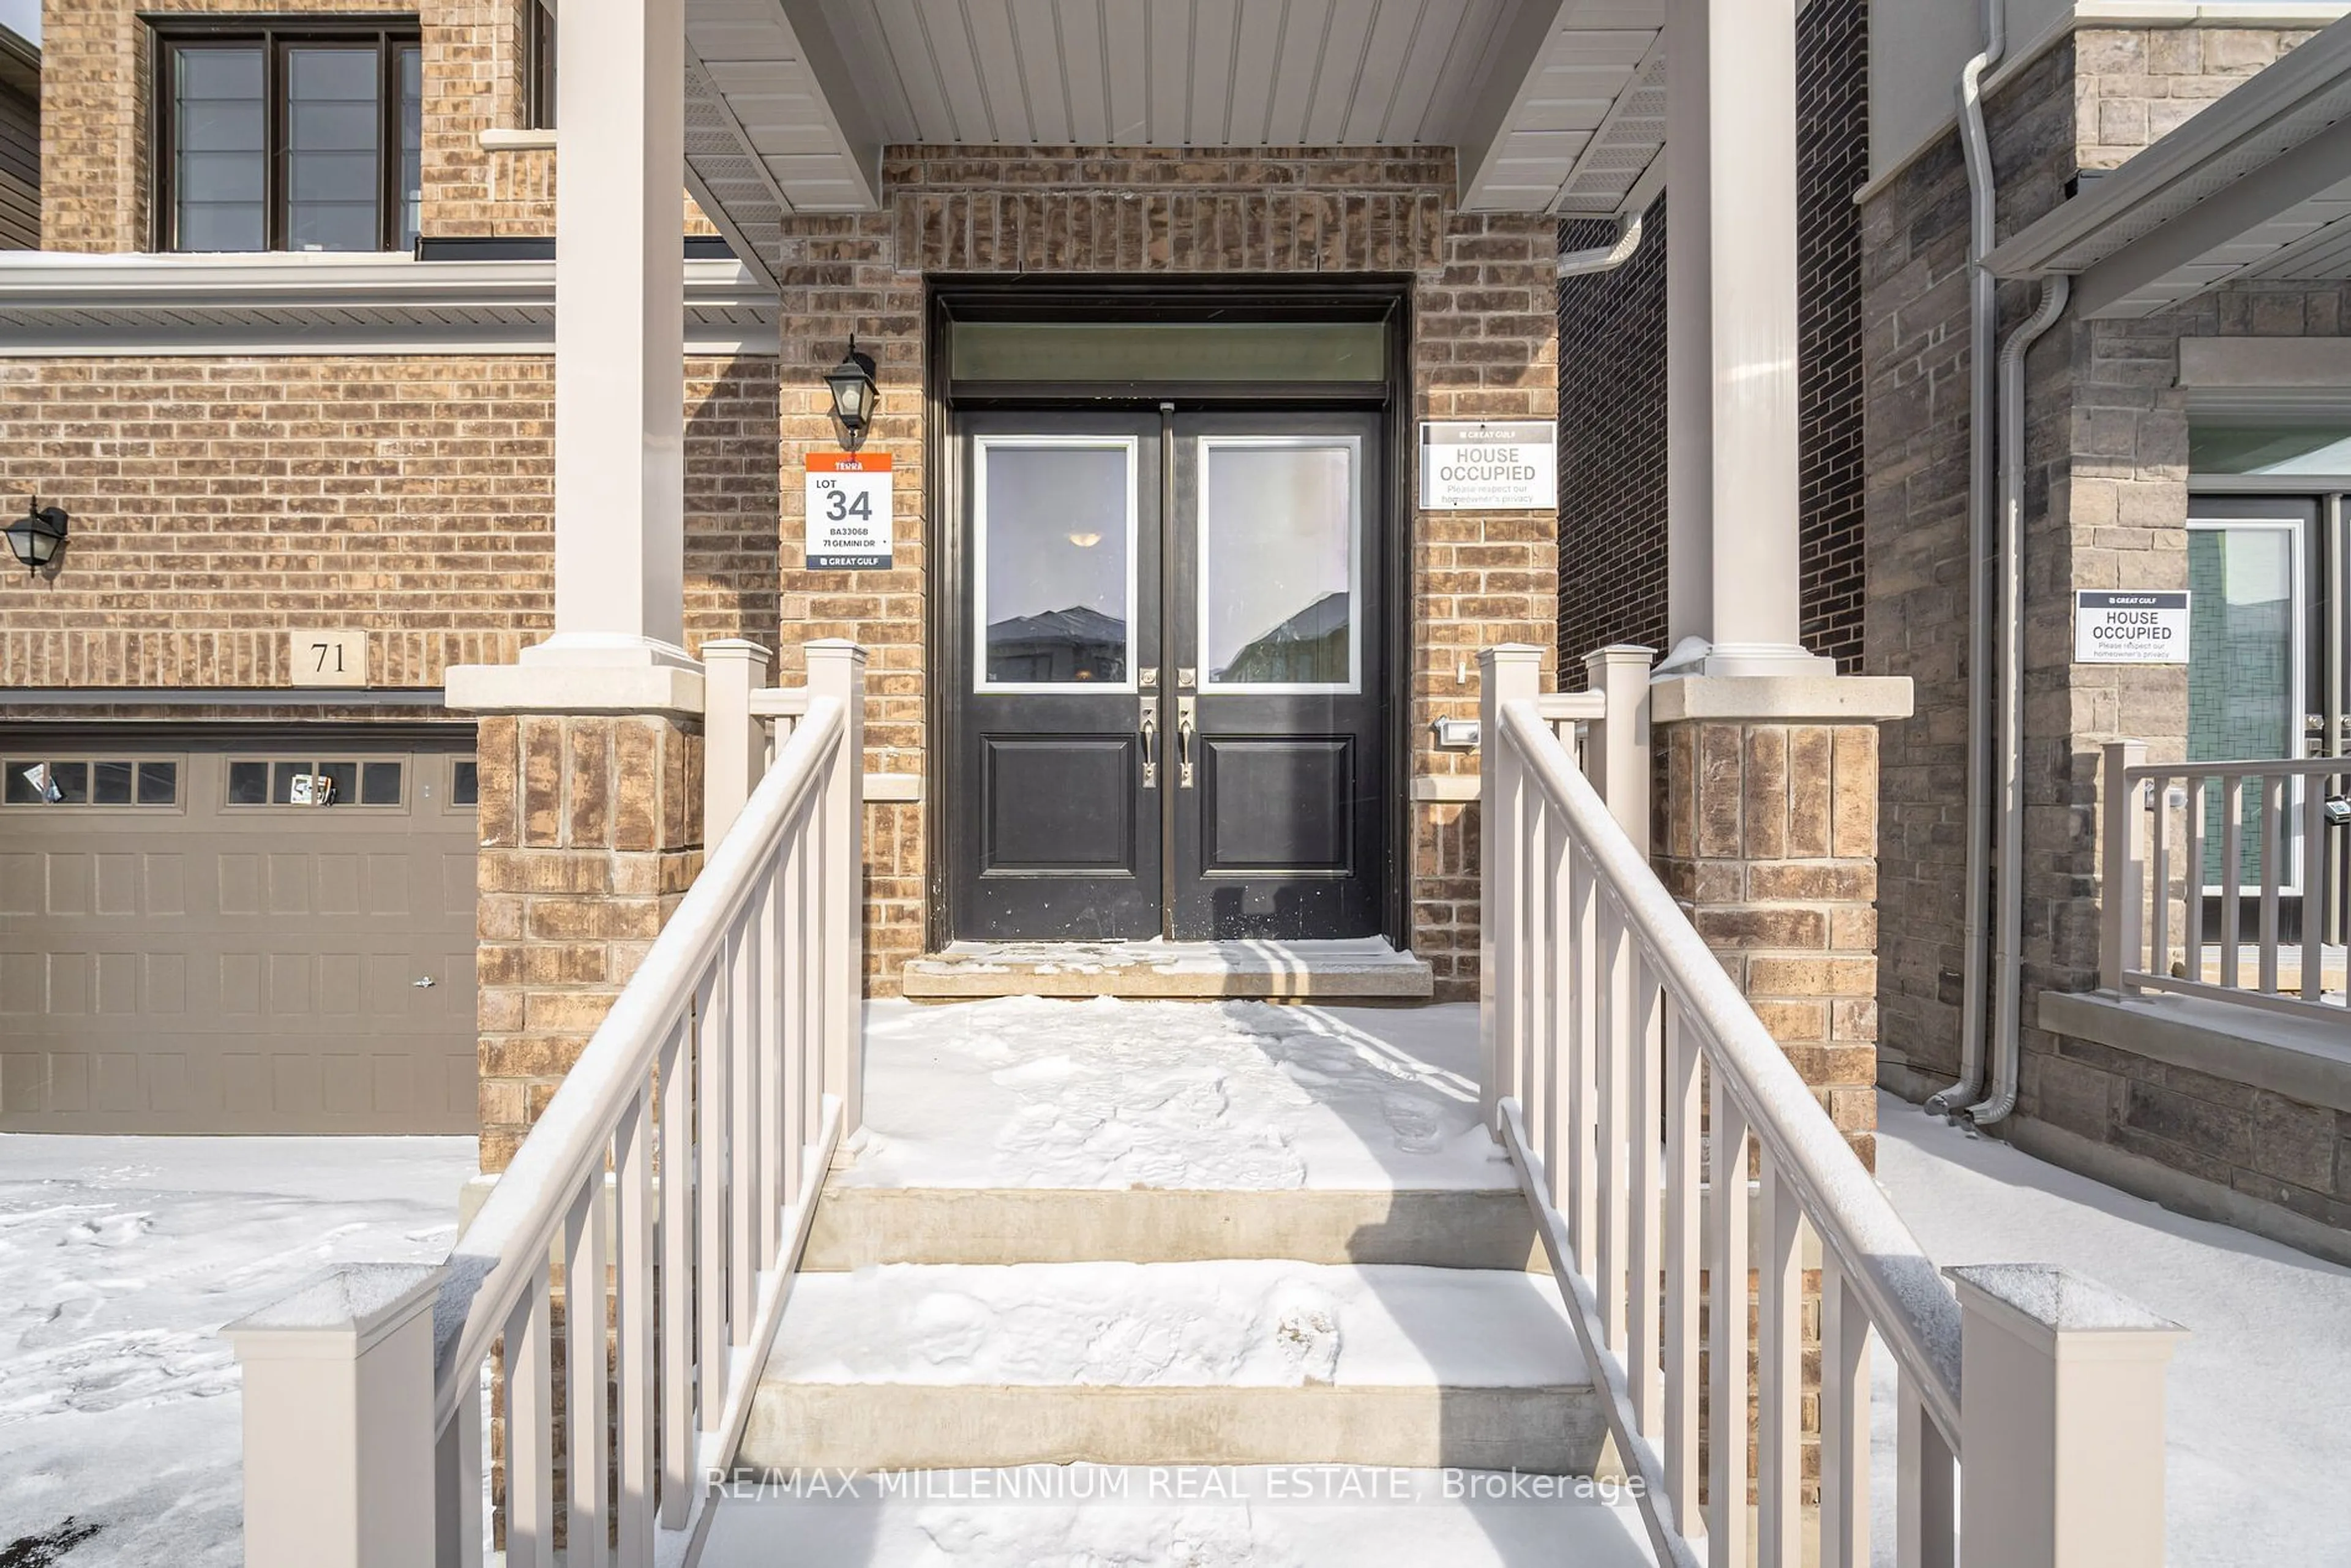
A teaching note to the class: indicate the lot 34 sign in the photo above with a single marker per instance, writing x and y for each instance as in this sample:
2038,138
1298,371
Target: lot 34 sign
2130,627
849,521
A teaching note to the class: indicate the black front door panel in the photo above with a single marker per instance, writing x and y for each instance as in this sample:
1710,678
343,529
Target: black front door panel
1172,684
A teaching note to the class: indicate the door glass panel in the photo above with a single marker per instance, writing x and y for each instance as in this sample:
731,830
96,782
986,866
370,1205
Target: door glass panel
2241,689
1277,551
1055,580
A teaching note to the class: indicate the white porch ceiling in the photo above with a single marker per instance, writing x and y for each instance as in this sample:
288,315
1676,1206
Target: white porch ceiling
1552,105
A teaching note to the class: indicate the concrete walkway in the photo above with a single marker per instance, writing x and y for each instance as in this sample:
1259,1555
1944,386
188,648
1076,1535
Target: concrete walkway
2260,1418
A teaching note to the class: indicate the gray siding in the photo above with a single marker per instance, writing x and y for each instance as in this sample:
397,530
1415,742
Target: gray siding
20,169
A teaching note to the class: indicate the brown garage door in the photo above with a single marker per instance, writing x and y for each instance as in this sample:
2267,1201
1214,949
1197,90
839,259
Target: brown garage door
186,949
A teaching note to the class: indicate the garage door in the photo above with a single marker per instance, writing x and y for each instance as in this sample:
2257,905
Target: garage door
187,948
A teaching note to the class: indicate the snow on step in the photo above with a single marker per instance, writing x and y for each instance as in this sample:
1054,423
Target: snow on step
1027,1092
1244,1362
1255,1323
1186,1518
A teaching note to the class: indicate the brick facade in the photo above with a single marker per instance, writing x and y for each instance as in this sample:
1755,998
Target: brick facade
1483,345
218,502
2106,505
1613,417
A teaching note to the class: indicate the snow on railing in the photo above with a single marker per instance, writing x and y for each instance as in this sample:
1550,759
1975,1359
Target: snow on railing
678,1166
2199,851
1629,1078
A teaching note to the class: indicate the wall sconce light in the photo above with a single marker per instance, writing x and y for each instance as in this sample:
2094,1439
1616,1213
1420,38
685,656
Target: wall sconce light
37,536
853,394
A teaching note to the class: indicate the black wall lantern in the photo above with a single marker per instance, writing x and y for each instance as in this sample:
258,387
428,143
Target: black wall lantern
37,536
853,394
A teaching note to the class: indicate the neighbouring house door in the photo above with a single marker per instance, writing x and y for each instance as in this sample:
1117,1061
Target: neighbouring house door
1172,706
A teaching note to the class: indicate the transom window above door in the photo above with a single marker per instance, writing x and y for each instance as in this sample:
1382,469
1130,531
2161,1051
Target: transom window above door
304,135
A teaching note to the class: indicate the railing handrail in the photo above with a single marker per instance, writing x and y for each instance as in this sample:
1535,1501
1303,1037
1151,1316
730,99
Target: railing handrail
2246,768
507,1245
1908,1303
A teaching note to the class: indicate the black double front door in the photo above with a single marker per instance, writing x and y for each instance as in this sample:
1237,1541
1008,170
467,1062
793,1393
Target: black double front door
1170,712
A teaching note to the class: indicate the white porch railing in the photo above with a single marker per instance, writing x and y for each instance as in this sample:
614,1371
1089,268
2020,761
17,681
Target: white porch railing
678,1166
2256,842
1632,1084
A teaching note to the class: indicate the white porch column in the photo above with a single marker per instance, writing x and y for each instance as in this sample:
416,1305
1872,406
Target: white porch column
620,380
1730,378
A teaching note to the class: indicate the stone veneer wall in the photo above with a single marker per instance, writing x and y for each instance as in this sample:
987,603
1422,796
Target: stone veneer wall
219,502
2106,505
1483,344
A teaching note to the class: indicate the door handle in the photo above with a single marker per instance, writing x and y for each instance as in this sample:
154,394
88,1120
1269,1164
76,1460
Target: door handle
1185,715
1150,732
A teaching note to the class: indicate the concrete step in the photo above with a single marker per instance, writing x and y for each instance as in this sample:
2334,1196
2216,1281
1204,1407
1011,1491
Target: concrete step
1234,1362
1203,1517
857,1226
1268,971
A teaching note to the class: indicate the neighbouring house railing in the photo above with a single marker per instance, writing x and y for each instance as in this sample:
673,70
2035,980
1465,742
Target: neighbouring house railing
677,1166
1633,1085
2227,880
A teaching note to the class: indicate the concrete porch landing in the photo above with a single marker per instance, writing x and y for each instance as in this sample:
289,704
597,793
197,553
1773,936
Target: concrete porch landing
1056,1130
1281,971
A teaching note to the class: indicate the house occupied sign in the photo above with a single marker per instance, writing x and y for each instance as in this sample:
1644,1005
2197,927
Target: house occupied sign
1469,465
2130,627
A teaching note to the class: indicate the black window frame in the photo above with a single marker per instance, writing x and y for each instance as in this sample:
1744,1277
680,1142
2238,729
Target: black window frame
274,35
539,65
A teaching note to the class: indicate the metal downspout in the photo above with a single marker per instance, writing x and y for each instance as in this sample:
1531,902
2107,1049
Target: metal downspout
1982,324
1604,257
2008,958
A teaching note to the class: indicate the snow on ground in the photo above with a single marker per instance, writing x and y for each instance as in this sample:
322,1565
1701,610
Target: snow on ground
1229,1323
1093,1516
1025,1092
2255,1425
119,1259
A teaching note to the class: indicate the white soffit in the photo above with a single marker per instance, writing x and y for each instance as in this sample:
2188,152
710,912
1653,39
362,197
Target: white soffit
790,102
53,303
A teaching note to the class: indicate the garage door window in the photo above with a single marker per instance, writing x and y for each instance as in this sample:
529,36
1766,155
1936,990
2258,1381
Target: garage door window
90,781
272,781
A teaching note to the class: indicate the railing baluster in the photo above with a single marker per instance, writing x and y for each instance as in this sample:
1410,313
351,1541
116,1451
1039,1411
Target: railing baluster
2159,878
739,956
2314,886
1584,1045
1648,1109
1780,1373
2232,868
2192,921
1506,831
1613,1066
530,1432
1926,1514
2273,789
1726,1329
1559,890
1844,1421
458,1483
808,964
711,1102
770,1052
1683,1193
633,1328
1538,996
676,1177
585,1336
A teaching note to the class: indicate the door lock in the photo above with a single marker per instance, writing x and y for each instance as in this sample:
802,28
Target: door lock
1185,716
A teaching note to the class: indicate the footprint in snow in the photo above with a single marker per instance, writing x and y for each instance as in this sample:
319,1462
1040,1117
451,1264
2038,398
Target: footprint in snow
1306,1329
1419,1124
113,1230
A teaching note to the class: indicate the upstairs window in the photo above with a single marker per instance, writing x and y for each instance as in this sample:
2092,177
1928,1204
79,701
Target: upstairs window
539,65
297,136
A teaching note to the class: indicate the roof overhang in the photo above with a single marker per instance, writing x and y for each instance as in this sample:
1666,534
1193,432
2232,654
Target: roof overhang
53,304
2256,187
1553,106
